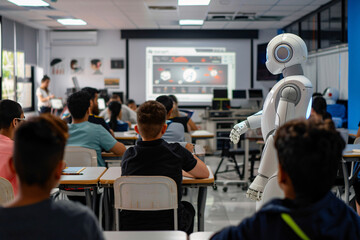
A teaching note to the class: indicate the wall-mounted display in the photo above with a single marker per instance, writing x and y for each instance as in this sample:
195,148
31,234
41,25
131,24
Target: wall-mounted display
117,64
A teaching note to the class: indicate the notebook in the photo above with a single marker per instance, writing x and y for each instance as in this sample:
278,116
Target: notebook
73,171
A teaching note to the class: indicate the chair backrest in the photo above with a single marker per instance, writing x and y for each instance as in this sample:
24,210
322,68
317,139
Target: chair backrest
6,191
146,193
80,157
357,140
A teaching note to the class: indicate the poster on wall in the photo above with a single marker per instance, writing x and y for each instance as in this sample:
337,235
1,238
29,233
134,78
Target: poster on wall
96,66
77,66
111,82
57,66
8,81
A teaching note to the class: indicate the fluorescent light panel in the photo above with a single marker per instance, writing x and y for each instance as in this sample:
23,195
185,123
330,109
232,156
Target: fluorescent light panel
30,3
193,2
71,21
191,22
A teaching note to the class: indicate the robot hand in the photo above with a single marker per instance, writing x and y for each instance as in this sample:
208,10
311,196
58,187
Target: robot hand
256,188
238,129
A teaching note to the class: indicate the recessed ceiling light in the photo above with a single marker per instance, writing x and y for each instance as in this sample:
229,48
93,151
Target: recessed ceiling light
30,3
193,2
71,21
191,22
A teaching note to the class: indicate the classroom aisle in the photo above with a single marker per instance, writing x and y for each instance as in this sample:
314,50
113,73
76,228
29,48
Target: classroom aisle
223,208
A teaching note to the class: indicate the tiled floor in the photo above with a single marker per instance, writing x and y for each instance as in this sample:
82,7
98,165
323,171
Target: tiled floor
223,208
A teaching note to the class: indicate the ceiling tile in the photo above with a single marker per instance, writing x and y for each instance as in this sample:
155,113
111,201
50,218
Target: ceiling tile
214,25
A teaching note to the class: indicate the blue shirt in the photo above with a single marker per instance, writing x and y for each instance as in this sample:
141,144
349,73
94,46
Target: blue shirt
328,218
120,126
174,132
93,136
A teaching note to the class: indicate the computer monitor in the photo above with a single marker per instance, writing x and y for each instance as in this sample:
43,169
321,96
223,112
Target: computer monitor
56,103
239,94
101,103
255,94
76,83
220,93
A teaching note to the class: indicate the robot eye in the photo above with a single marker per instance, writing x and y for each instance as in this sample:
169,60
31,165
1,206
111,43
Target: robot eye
283,53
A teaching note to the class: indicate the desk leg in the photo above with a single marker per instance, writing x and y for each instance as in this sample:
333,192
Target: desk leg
106,209
246,162
346,181
94,199
201,207
88,198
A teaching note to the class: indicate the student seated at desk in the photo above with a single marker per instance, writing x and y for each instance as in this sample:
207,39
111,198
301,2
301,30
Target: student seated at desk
152,156
38,153
86,134
185,120
309,155
115,115
11,115
127,115
175,131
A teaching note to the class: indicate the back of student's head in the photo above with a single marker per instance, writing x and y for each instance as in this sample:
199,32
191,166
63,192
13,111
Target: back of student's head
319,105
130,101
115,109
166,101
39,147
174,98
91,91
78,103
8,111
151,117
309,152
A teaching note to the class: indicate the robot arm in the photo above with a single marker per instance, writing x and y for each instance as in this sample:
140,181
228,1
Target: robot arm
290,96
252,122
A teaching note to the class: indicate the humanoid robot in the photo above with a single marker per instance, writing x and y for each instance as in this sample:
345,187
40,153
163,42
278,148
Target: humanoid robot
331,95
289,98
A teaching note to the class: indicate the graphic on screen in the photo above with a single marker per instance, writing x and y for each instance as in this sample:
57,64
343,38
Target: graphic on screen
189,73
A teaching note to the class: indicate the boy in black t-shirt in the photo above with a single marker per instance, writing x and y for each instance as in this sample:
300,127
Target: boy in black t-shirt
152,156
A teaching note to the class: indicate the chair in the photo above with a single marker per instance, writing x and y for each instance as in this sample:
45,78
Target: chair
80,157
146,193
6,191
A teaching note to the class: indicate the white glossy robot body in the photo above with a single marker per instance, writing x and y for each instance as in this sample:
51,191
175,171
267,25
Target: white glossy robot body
290,98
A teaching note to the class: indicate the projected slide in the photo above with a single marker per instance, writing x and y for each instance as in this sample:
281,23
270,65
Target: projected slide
189,73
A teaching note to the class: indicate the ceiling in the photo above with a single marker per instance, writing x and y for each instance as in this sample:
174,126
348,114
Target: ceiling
137,14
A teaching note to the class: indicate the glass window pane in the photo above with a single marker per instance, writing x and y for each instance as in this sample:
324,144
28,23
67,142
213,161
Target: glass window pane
331,26
309,32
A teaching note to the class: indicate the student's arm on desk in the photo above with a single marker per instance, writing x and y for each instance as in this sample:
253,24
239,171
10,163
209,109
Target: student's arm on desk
118,148
199,171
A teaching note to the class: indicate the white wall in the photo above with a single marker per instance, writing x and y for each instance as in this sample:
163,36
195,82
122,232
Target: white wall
109,46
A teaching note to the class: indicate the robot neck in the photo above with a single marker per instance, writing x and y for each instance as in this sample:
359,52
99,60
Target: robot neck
293,70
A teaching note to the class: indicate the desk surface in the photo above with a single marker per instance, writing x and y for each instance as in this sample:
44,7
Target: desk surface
128,135
201,134
115,172
348,151
148,235
91,175
200,235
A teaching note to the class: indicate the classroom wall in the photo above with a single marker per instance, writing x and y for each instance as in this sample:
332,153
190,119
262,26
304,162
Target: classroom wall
109,46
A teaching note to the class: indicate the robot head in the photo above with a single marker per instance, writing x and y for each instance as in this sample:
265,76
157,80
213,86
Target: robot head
283,51
331,95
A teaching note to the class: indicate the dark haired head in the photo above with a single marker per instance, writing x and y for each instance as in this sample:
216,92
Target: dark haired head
151,117
91,91
166,101
45,78
309,152
8,111
319,105
115,109
78,103
173,97
130,101
39,147
95,61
